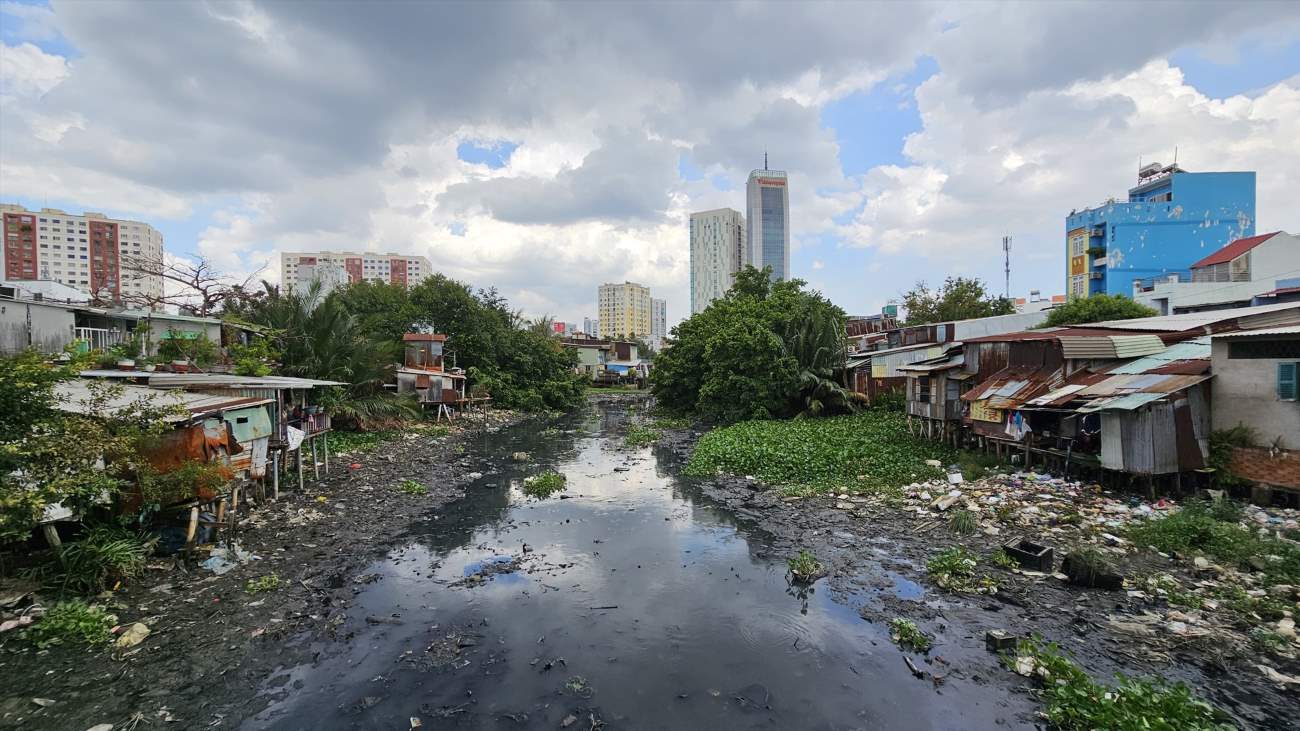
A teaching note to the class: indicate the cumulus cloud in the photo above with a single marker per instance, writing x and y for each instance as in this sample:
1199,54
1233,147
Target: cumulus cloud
335,125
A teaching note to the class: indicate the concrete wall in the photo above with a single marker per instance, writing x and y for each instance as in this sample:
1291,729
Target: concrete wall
1272,263
51,326
1244,391
1280,469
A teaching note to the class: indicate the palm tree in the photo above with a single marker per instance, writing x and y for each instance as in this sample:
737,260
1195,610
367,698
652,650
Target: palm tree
817,343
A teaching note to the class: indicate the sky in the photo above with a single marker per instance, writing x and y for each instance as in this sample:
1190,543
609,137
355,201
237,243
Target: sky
544,148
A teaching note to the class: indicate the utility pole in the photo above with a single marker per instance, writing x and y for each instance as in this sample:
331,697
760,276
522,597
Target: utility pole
1006,255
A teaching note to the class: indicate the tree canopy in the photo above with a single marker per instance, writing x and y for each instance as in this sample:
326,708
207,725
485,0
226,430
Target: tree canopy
958,299
764,350
1097,308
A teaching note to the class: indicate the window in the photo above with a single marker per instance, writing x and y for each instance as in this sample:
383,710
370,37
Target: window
1286,381
923,389
1269,349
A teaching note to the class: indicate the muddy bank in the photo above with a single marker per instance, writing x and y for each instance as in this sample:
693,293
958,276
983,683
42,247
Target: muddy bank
212,642
874,549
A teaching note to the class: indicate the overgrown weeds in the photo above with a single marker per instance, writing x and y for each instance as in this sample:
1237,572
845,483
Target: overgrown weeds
638,435
908,636
103,557
544,485
1074,702
1003,560
72,622
805,568
962,522
1200,526
863,452
668,422
411,487
954,569
269,582
360,442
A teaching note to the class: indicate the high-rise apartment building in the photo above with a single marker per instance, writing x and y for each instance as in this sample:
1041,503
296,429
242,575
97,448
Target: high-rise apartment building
624,309
767,237
109,259
1171,220
658,323
299,269
717,252
590,326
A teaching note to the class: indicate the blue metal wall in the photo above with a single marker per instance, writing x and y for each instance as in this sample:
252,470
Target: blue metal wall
1141,238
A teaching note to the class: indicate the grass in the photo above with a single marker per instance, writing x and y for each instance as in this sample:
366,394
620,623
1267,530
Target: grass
962,522
103,557
1074,702
411,487
261,584
668,422
908,636
868,451
954,569
1003,560
975,465
1167,587
72,623
1210,528
544,485
804,567
359,442
639,436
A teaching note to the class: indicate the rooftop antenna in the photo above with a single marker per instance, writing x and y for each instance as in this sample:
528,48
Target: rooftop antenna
1006,254
1175,155
765,159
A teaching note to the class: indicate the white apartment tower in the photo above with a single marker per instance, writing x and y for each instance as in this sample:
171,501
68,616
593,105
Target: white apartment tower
658,323
624,309
109,259
768,208
718,251
332,268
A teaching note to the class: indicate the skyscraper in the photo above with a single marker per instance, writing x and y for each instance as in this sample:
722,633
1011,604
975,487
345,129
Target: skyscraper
768,208
658,323
717,253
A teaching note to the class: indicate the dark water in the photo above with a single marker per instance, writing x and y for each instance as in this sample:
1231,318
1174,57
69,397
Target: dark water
651,608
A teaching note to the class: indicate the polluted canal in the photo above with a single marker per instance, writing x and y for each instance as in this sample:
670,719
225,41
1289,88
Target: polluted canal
626,600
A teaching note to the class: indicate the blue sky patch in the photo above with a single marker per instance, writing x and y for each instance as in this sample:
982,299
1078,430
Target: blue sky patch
870,126
493,153
1257,66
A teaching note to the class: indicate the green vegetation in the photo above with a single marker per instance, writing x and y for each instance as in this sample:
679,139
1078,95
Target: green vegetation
1003,560
954,569
962,522
190,478
103,557
544,485
1199,526
48,456
765,350
805,568
668,422
1222,442
639,436
1167,587
72,623
269,582
958,299
1097,308
908,636
177,345
975,465
255,359
354,442
1074,702
411,487
867,451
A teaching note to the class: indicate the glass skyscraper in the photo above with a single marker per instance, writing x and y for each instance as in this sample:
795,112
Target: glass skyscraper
768,219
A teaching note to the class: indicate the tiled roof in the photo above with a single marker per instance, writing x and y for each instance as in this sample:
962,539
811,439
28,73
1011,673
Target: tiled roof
1234,249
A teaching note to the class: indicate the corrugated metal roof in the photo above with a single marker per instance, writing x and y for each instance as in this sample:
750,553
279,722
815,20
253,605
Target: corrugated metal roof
1196,349
1011,387
77,397
213,380
1110,346
1291,330
1195,320
1127,402
934,364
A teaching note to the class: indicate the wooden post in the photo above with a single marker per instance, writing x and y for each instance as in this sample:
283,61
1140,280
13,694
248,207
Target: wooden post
275,475
300,468
325,443
315,463
192,529
221,510
51,532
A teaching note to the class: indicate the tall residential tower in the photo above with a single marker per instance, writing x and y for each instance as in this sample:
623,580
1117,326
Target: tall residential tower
624,310
717,253
658,323
768,208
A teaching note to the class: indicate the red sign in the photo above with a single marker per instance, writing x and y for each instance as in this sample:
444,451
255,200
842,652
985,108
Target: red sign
770,181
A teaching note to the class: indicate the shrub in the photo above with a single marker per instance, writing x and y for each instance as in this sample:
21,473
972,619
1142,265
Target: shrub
639,436
183,482
1195,527
1222,443
198,350
269,582
954,569
72,622
1097,308
962,522
103,557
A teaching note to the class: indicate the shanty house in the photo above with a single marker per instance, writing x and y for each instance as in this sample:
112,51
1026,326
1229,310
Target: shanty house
1257,384
423,373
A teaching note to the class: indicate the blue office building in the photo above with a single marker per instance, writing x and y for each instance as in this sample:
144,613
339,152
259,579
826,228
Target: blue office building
1172,219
